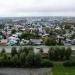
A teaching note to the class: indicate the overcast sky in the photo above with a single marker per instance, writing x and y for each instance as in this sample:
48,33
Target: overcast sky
11,8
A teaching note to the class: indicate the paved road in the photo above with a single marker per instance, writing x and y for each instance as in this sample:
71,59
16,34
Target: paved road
21,71
36,48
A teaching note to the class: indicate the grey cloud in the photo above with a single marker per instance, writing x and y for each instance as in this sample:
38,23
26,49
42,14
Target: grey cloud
44,9
37,7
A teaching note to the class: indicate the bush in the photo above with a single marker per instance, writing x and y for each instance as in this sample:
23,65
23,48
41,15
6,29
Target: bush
14,61
27,35
62,53
20,50
37,60
44,55
13,31
58,53
22,59
50,41
1,62
46,63
27,49
13,51
41,50
51,53
68,53
69,63
3,51
30,59
4,60
33,60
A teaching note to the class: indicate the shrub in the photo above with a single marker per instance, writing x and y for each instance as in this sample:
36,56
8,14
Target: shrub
41,50
4,60
30,59
46,63
1,62
68,53
44,55
22,59
69,63
33,60
20,49
3,51
13,51
62,53
14,61
13,31
27,49
58,53
51,53
50,41
37,60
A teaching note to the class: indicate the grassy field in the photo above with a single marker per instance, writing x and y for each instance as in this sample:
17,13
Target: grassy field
59,69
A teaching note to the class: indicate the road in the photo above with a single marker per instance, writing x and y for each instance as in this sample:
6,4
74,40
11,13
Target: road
36,48
21,71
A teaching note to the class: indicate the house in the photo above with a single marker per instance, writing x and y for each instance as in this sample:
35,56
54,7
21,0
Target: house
60,37
73,42
12,40
24,42
36,41
45,35
67,42
58,28
3,42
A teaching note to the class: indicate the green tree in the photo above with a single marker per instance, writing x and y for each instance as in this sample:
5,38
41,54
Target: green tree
62,53
13,31
3,51
49,41
13,51
33,60
37,60
56,53
27,49
41,50
68,53
60,42
30,59
46,63
14,61
20,50
27,35
67,26
22,59
51,53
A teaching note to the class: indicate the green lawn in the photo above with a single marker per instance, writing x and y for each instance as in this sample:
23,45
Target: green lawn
59,69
